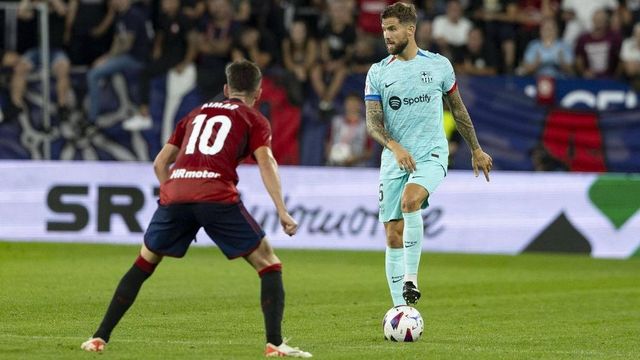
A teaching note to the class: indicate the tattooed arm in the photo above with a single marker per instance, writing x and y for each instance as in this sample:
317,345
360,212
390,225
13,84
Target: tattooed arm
479,159
375,128
463,120
375,123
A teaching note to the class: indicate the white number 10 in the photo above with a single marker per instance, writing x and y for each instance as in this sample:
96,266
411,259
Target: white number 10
203,144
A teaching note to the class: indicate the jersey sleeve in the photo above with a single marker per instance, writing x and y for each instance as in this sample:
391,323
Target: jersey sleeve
178,134
449,84
371,86
259,134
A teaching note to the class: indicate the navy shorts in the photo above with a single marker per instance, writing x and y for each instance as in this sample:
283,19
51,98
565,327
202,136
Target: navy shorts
230,226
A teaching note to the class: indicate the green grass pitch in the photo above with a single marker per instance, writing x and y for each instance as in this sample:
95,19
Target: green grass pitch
52,297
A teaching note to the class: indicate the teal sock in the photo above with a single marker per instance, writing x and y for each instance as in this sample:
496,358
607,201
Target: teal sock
394,266
412,236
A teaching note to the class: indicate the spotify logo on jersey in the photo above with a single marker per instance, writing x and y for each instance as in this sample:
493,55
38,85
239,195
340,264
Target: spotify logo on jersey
395,102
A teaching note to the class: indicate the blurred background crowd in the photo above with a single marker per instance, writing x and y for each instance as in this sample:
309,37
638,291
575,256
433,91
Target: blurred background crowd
314,52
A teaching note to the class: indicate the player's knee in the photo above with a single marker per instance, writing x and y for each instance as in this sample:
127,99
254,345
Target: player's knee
410,204
263,256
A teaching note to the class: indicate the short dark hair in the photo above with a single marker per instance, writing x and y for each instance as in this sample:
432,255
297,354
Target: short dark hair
243,76
405,13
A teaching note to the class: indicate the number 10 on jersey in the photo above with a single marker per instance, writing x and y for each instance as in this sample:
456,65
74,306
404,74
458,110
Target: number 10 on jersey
203,139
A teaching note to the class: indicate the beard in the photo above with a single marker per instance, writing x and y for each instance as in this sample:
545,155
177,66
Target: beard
398,47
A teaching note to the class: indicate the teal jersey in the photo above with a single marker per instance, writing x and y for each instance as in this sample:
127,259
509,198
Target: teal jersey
411,96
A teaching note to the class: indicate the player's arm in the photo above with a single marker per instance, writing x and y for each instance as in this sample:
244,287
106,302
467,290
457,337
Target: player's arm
479,159
375,128
163,161
271,179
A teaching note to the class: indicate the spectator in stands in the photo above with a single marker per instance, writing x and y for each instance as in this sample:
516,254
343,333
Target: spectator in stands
630,10
31,59
299,51
369,16
275,15
597,51
630,57
88,29
477,58
193,9
531,13
364,55
451,30
257,46
429,9
349,144
217,31
548,56
8,61
336,48
174,47
242,10
368,22
129,51
578,15
424,37
498,18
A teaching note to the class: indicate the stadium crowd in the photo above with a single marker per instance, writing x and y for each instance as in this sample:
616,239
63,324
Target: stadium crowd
318,51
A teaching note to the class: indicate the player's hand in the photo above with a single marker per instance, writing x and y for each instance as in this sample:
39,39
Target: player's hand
289,225
481,160
403,158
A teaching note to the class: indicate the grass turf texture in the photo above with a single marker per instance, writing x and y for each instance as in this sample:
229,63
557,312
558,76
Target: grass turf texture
475,307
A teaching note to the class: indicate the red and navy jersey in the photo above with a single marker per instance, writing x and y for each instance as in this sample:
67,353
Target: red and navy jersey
213,140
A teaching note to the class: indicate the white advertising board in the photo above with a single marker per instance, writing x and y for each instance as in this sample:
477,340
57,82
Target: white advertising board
112,202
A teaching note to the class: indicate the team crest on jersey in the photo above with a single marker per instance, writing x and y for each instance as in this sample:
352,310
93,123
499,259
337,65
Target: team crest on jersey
426,77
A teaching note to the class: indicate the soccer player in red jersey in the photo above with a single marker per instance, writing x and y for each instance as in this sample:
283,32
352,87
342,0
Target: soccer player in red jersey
197,174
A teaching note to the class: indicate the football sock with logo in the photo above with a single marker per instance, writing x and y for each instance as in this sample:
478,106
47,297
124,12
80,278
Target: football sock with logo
412,236
124,296
394,266
272,301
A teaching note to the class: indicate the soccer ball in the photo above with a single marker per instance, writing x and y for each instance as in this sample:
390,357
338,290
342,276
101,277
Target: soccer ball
402,323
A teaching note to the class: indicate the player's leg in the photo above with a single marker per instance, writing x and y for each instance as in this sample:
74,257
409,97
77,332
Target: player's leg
237,234
412,199
170,232
394,260
123,297
269,267
390,214
421,183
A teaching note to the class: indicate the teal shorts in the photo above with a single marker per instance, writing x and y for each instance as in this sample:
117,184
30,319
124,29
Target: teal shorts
428,174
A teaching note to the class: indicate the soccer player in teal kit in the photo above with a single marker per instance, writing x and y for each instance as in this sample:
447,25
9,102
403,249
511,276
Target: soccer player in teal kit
403,96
